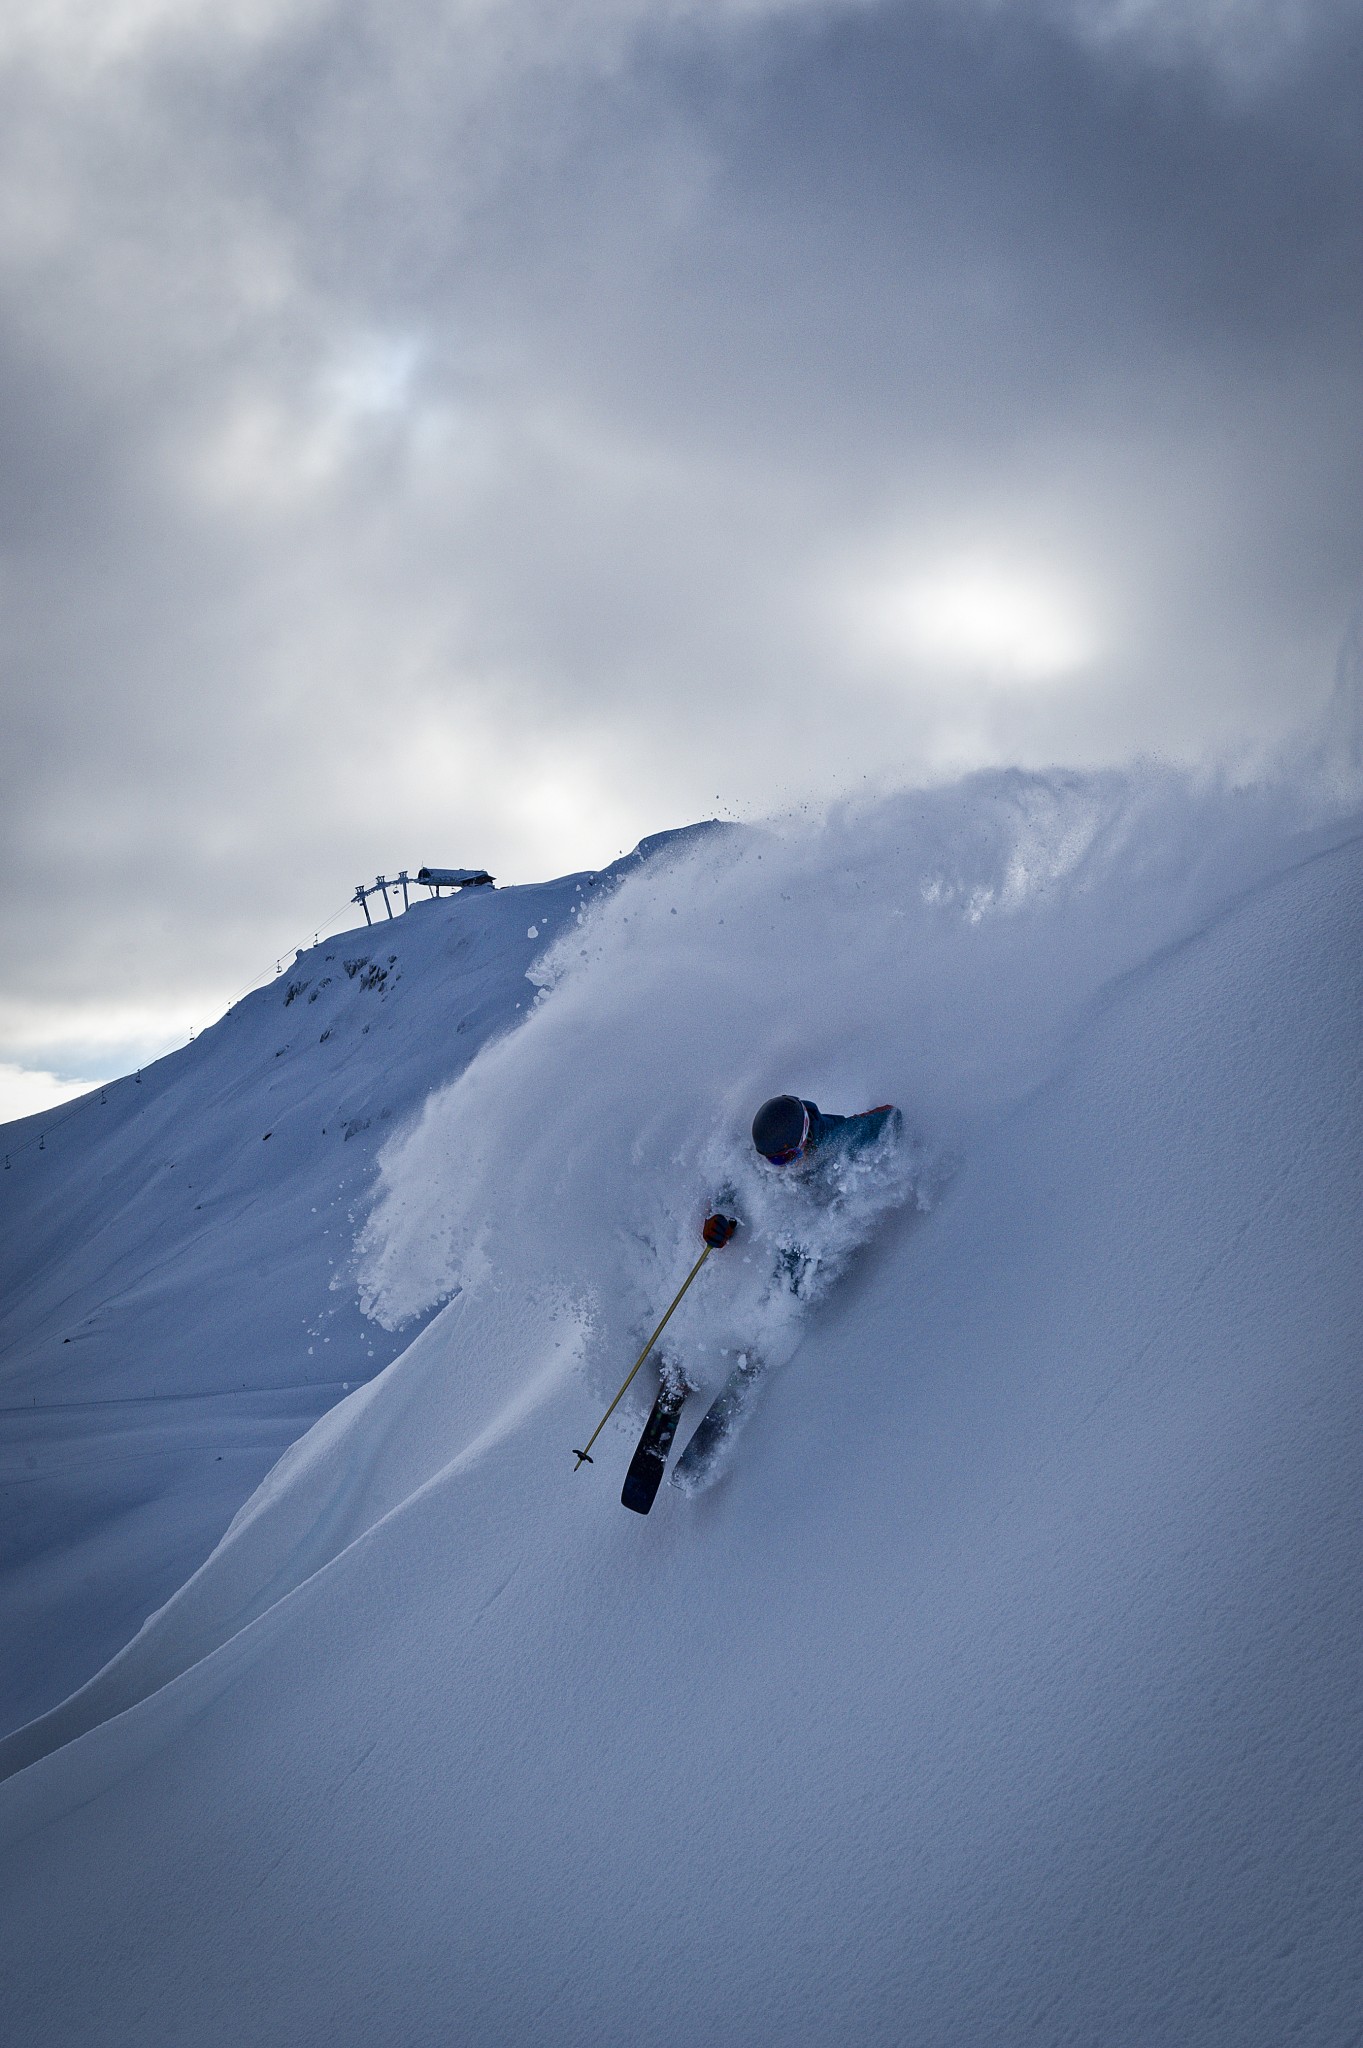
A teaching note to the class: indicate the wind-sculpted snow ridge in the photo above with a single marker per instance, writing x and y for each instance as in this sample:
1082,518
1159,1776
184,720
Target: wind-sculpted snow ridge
945,950
1007,1686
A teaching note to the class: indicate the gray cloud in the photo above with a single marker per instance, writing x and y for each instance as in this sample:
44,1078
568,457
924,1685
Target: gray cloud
491,435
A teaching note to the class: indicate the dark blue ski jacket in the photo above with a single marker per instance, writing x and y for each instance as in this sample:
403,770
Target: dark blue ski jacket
849,1134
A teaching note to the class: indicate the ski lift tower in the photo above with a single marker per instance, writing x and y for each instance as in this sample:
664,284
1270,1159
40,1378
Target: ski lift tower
433,880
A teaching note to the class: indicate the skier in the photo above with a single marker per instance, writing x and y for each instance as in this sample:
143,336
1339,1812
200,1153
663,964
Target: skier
788,1129
792,1134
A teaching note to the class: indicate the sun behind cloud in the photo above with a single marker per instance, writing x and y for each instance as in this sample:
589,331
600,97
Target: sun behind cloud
1006,625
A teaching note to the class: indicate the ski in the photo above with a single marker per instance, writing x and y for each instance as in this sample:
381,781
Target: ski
649,1462
701,1461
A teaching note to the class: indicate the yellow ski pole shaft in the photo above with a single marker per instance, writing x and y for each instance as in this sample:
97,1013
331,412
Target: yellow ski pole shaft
584,1456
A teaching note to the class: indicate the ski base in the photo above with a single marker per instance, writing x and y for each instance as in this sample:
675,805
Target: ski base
649,1462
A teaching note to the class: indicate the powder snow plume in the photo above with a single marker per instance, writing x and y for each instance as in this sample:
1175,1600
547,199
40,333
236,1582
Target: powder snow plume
938,949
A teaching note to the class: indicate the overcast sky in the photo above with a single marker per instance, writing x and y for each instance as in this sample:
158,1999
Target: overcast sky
485,432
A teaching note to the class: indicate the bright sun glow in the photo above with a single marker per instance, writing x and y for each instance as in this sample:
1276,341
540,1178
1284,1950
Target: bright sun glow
1013,626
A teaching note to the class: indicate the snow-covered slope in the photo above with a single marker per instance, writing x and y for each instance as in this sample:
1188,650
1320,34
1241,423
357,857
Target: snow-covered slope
1007,1686
168,1247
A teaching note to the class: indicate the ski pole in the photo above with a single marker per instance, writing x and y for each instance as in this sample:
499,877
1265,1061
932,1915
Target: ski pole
718,1231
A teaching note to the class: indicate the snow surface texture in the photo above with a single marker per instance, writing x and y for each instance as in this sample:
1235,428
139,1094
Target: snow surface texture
1008,1688
169,1321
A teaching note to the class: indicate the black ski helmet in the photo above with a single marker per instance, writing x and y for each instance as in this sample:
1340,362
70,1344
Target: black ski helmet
780,1128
